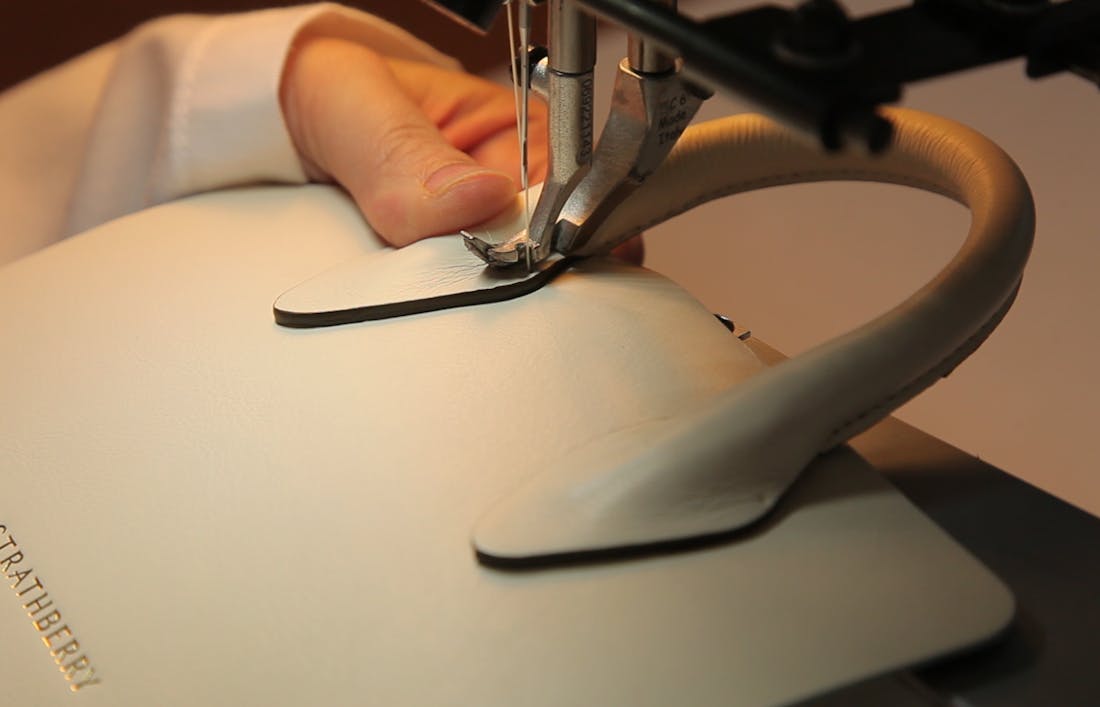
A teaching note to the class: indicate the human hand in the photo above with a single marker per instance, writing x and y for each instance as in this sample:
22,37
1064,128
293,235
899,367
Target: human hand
421,149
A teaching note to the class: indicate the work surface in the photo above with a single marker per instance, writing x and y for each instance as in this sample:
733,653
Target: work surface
1044,549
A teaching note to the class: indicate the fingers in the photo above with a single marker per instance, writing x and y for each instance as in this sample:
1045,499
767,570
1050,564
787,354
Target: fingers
477,117
352,121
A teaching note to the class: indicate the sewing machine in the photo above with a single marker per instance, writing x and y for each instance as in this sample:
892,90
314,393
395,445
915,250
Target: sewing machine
812,67
291,508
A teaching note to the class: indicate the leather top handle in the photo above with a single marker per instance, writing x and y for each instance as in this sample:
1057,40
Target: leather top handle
718,468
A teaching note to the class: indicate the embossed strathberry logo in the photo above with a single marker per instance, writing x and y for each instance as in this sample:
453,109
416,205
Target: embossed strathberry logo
46,618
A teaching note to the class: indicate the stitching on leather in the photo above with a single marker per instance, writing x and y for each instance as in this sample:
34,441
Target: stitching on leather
849,428
799,177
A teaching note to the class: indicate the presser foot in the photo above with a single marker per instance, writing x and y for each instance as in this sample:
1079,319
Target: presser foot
519,250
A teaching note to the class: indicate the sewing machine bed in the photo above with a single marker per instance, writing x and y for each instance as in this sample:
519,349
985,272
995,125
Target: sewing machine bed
226,512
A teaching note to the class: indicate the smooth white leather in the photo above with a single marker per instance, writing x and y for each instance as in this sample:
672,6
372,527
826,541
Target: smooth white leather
723,464
226,512
428,269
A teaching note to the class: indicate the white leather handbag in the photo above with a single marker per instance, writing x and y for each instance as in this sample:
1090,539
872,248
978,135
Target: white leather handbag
719,466
200,506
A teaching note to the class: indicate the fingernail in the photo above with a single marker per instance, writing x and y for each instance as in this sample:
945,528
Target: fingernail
444,178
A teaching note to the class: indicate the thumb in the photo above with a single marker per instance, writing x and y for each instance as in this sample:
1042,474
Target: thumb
351,121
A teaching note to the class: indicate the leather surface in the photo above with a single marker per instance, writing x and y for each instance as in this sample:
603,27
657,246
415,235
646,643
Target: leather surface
227,512
721,466
427,276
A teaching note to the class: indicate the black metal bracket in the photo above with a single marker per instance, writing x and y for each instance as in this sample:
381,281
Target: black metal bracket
817,69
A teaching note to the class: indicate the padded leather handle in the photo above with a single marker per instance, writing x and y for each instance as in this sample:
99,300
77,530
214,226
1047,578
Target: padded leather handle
721,467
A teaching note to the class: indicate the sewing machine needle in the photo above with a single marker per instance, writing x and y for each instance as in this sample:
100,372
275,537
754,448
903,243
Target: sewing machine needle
525,89
521,89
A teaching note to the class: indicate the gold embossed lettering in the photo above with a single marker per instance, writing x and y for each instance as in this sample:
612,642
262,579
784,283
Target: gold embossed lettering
57,637
75,665
74,668
37,585
19,576
37,604
90,680
12,559
56,633
64,650
48,620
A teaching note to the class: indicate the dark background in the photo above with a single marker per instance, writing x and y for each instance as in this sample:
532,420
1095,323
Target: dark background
37,34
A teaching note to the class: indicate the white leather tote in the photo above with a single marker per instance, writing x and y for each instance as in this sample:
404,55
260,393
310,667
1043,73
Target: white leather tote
210,508
721,464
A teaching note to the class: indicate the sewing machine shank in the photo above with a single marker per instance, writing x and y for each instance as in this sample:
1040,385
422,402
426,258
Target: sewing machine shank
812,67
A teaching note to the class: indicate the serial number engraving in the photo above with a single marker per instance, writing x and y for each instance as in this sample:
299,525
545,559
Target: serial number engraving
584,153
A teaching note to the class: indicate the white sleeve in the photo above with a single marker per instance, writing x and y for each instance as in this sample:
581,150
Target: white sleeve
44,126
192,104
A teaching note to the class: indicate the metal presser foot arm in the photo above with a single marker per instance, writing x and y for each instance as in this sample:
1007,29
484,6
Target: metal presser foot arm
563,77
651,107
